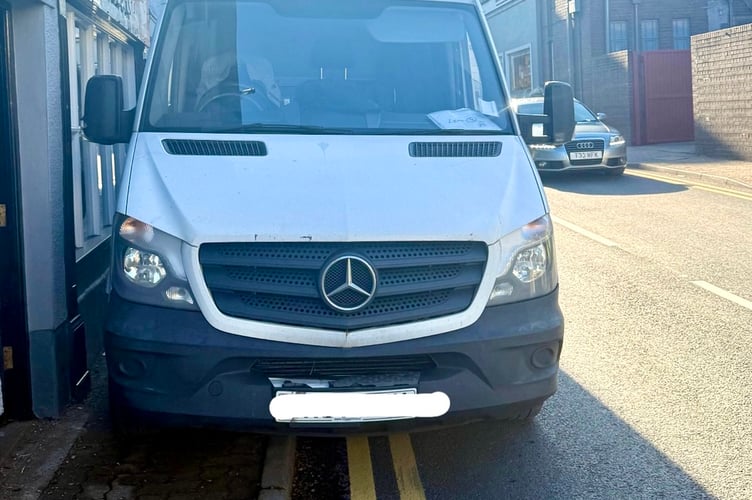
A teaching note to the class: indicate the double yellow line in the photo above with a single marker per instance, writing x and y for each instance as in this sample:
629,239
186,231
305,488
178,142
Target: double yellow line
697,185
362,484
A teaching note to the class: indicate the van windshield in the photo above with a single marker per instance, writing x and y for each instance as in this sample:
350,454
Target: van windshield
324,66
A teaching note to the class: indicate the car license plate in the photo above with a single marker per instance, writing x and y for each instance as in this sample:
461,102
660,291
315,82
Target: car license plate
586,155
368,406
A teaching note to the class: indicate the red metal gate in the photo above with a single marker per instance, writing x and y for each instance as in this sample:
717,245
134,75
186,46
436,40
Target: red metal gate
663,98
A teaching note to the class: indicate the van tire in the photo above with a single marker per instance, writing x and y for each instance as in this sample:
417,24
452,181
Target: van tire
124,424
525,414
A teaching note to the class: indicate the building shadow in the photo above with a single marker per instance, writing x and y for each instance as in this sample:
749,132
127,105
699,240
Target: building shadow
718,140
600,184
576,448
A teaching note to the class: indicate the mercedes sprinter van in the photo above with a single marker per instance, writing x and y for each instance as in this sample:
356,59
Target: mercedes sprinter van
328,217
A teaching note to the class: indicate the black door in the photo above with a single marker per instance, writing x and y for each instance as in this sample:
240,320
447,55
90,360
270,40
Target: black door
14,368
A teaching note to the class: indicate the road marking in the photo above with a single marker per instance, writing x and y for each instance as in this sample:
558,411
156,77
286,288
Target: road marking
723,294
584,232
405,468
691,184
362,485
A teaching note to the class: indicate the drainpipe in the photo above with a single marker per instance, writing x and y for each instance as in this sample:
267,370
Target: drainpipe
637,97
608,26
636,4
731,12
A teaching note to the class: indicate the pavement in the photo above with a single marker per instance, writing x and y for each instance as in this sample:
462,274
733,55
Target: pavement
681,160
32,452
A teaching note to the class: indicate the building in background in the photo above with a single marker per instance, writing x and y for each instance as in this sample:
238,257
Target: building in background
57,195
517,42
627,58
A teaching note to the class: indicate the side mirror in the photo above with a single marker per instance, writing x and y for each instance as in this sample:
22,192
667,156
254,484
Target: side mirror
600,116
105,121
556,124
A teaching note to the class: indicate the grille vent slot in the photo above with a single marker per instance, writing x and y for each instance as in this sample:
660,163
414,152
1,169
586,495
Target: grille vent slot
342,367
455,149
214,148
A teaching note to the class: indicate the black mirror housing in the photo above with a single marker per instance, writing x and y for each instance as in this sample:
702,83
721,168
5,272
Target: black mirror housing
104,120
556,124
558,105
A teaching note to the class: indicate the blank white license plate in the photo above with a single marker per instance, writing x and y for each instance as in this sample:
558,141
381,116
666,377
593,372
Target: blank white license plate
586,155
289,406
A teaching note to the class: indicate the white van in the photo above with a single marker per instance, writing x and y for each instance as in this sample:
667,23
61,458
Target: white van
328,217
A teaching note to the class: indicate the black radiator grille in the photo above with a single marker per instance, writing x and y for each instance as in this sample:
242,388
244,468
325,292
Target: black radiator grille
279,282
343,367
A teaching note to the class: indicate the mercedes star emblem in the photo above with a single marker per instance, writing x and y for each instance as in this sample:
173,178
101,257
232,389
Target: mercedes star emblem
348,283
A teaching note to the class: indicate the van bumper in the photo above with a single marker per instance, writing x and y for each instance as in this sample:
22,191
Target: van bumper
171,366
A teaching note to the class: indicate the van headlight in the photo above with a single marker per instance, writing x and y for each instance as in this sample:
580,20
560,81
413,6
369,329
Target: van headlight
528,267
143,268
148,266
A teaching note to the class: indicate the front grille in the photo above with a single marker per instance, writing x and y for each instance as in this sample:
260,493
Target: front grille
279,282
454,149
592,145
325,368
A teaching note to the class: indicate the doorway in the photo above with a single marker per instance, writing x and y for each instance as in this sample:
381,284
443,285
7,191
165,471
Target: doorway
14,366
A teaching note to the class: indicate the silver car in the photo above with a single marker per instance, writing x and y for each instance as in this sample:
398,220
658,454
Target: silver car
595,145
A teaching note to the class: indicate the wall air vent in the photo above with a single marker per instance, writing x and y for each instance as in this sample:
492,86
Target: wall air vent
455,149
214,148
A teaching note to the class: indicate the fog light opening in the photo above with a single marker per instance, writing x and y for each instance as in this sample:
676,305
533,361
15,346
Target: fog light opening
132,367
545,357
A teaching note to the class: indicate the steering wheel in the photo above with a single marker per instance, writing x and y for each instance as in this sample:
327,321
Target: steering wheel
254,93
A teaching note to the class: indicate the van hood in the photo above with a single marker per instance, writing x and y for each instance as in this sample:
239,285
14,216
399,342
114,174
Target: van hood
331,188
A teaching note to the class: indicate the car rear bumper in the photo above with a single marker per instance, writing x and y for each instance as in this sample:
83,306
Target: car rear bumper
173,366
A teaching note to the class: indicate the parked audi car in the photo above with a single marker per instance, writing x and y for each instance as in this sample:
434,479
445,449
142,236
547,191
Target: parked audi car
594,145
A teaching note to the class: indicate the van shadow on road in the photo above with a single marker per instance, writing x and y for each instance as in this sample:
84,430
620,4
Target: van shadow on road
597,183
576,448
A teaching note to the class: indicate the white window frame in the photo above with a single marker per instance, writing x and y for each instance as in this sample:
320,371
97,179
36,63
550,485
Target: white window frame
644,23
509,57
684,38
611,38
96,168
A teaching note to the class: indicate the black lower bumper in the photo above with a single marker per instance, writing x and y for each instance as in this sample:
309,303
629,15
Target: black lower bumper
174,365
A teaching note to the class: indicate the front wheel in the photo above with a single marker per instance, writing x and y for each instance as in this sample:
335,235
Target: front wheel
124,423
525,414
614,172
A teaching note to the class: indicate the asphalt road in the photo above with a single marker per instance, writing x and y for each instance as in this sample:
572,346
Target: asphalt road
656,374
654,394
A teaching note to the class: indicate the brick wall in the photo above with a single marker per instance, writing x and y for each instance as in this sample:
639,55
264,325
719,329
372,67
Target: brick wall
611,93
722,86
